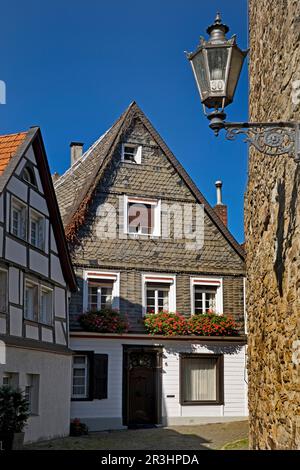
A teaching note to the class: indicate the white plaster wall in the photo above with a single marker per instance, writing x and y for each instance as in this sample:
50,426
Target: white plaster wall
1,208
56,271
16,321
30,155
18,188
38,262
38,202
1,241
15,251
235,397
38,180
21,166
14,276
53,242
54,390
59,333
32,332
47,335
59,302
3,326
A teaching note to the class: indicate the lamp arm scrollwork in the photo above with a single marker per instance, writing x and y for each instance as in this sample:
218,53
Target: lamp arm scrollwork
272,139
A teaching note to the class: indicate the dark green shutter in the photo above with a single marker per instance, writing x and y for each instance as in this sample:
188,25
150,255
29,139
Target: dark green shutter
100,377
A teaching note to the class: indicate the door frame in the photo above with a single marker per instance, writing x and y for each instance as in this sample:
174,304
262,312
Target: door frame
127,348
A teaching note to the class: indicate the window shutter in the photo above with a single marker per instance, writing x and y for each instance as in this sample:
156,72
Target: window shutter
100,376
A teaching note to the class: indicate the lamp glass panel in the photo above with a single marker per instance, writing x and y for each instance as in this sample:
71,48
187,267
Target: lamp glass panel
236,63
200,72
217,62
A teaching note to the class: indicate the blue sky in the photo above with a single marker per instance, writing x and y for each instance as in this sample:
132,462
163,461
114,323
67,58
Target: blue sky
72,67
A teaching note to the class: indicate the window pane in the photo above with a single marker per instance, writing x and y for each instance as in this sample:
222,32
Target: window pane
199,379
80,377
46,306
106,297
140,218
79,359
31,301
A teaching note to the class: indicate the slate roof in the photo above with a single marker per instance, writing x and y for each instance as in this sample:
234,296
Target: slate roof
74,189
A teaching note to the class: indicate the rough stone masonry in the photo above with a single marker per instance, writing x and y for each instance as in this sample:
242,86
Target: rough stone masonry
272,226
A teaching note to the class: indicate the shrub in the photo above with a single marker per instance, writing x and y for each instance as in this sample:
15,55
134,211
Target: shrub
165,323
77,428
14,410
104,321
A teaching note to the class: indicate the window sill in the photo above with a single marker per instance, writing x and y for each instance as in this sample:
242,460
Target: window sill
202,403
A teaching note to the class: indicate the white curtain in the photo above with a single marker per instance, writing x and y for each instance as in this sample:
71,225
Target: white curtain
200,379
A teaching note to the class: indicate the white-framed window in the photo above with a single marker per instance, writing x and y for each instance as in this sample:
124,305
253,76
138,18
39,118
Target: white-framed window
31,300
80,376
3,290
18,219
132,153
46,305
10,379
159,293
99,294
31,392
206,295
142,216
37,229
202,379
101,289
157,296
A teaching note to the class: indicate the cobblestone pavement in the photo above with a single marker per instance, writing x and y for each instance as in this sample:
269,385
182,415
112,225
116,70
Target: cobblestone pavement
208,436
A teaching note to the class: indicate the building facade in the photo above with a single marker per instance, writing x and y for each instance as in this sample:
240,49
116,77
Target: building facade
36,277
272,221
129,208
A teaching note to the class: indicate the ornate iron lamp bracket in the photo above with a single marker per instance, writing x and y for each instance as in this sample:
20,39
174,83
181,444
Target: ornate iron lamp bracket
270,138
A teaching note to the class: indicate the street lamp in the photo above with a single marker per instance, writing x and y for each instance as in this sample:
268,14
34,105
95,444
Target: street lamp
217,64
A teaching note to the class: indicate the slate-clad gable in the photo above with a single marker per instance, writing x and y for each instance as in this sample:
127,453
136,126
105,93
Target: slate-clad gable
160,177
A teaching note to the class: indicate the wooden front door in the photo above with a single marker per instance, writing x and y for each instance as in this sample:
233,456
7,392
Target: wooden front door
142,388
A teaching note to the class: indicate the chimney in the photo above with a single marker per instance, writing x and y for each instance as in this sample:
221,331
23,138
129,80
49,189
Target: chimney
55,177
76,151
220,208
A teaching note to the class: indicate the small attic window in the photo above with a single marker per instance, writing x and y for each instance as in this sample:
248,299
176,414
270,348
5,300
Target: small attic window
132,153
28,176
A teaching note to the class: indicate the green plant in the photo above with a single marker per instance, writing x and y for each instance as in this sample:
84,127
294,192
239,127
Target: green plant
104,321
14,410
77,428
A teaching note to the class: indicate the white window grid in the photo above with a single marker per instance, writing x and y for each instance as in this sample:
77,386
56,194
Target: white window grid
18,218
80,376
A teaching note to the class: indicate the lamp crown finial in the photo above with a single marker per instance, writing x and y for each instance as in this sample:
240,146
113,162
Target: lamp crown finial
218,19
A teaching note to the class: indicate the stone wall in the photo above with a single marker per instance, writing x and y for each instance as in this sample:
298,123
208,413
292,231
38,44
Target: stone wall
272,226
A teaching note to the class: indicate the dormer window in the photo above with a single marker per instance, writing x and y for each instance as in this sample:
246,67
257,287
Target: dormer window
132,153
29,176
